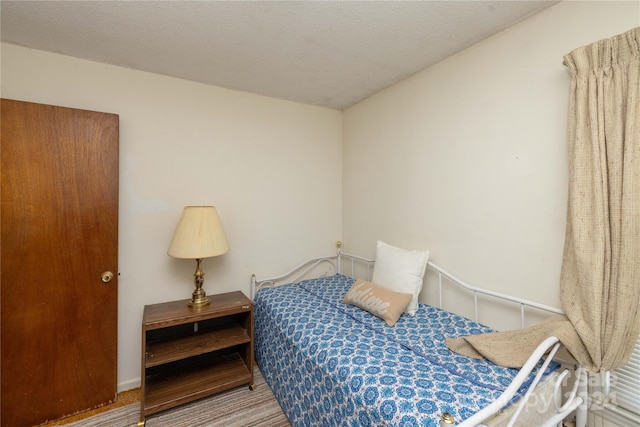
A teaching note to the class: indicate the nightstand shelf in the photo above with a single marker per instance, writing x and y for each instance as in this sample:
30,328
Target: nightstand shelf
191,353
162,352
193,381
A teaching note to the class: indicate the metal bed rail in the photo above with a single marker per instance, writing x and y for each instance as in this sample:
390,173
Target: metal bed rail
299,272
442,273
345,261
523,303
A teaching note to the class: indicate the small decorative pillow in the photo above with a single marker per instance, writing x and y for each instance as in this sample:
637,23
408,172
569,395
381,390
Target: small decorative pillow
377,300
400,270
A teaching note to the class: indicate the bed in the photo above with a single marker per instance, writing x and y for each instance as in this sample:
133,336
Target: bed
335,364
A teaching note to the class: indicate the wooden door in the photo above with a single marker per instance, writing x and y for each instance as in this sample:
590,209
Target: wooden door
59,209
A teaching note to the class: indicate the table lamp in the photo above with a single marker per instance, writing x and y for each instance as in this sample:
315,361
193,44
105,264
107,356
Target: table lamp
199,235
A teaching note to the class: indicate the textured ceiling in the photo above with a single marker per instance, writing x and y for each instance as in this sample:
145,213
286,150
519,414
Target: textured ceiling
328,53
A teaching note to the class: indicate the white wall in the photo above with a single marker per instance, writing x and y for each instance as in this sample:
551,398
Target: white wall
272,168
468,158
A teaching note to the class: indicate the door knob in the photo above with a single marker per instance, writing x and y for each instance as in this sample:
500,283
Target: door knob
107,276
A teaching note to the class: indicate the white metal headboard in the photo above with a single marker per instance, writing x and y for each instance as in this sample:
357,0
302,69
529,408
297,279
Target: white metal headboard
356,266
523,303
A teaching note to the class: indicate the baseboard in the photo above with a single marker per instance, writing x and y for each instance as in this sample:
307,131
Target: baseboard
128,385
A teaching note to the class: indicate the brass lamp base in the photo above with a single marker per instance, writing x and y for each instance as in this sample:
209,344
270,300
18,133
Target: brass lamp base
199,297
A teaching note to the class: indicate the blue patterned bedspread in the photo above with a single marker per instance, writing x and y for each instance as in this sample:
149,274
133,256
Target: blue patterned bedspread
332,364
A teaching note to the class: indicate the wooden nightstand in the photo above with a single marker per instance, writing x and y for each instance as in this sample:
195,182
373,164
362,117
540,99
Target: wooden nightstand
190,353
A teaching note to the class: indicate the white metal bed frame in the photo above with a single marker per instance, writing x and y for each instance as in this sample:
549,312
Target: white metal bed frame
575,400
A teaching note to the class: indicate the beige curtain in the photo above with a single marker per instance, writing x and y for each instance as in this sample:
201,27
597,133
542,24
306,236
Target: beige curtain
600,278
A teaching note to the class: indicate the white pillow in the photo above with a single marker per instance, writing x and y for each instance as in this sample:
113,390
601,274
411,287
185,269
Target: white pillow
400,270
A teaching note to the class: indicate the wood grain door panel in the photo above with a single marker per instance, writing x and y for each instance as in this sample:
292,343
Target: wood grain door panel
59,213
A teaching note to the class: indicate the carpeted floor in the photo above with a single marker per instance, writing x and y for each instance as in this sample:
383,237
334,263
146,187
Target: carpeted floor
238,407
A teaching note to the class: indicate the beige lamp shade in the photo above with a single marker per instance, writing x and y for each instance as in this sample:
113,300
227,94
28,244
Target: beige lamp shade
199,234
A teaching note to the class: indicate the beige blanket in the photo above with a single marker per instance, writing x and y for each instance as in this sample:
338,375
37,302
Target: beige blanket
513,348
